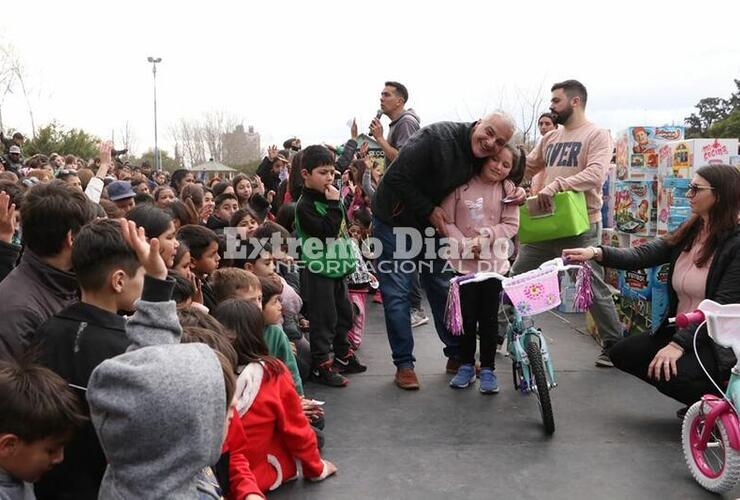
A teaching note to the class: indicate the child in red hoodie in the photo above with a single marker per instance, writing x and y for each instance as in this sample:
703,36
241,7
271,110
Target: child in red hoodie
277,432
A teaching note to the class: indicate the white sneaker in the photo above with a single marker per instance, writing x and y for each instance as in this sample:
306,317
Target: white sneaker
418,318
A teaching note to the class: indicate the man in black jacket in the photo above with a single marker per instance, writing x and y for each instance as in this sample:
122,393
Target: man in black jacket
435,161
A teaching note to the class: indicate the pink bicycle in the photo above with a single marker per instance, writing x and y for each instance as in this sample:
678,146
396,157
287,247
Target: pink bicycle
711,430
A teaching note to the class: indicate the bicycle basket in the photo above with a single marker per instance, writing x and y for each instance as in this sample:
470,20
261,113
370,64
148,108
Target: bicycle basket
722,322
535,291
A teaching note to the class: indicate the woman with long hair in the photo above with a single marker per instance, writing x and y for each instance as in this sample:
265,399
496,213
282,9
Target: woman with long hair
704,263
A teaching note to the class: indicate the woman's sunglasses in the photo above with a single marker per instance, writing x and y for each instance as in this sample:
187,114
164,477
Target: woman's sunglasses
694,188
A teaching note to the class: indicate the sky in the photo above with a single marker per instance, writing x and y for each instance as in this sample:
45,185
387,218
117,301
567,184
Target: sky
306,68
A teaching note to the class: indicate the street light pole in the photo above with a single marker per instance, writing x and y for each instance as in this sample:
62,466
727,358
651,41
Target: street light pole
157,159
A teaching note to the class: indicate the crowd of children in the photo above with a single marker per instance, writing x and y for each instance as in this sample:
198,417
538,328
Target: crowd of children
161,332
163,365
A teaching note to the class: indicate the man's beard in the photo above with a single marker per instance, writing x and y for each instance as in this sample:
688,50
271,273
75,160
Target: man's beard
562,117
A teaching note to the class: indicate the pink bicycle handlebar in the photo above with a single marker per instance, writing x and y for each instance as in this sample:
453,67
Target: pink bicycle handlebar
687,319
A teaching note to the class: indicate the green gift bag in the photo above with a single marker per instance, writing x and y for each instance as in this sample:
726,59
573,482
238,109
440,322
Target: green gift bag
569,218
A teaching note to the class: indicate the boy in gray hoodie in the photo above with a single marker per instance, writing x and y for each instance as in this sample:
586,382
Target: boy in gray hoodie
159,409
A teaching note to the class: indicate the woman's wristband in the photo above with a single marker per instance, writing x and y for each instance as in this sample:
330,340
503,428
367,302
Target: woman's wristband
597,254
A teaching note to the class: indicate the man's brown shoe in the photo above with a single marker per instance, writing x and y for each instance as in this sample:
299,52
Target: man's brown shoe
406,379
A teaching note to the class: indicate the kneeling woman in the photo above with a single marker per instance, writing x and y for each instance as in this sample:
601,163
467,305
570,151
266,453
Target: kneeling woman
704,257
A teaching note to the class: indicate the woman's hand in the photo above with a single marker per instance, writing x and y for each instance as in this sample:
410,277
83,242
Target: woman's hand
665,361
578,254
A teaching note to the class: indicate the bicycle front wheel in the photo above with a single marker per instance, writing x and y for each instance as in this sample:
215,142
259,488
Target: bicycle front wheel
539,384
717,467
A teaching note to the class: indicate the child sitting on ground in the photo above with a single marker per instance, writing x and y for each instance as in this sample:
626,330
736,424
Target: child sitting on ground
204,257
278,434
225,206
161,409
273,311
235,314
245,220
80,337
479,218
232,282
232,470
38,416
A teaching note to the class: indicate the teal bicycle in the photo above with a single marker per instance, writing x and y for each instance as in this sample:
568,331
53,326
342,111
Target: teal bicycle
529,293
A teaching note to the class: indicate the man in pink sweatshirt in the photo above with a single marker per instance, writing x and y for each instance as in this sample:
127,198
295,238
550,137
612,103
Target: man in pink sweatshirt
574,157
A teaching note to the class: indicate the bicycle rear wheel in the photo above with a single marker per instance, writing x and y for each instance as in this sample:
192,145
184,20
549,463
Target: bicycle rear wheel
539,385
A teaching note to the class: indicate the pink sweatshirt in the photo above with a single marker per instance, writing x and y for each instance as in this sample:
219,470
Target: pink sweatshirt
690,281
574,160
477,209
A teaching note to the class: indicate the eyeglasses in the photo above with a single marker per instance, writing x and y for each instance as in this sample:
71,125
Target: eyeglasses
695,188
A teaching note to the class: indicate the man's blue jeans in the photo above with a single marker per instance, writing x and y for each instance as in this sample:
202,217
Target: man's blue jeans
396,276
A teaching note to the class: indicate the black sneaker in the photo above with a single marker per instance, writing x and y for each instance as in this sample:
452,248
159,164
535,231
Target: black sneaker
350,364
327,375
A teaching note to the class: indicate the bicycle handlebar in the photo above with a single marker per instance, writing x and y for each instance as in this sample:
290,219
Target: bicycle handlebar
687,319
558,263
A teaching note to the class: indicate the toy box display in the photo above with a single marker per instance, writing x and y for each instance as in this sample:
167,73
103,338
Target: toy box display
613,238
659,302
687,155
638,283
677,217
671,199
633,206
635,314
638,150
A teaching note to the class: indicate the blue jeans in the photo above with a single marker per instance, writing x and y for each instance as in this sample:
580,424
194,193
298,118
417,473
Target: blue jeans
396,276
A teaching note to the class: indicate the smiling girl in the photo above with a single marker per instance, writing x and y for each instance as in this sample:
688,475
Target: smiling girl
481,220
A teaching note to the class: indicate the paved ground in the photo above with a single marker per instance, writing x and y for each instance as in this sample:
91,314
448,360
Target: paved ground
615,437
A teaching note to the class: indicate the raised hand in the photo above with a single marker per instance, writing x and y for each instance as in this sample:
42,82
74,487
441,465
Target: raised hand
104,150
362,153
353,129
7,218
272,152
146,251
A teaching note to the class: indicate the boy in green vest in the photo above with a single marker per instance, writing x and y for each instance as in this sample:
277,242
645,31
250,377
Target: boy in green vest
327,257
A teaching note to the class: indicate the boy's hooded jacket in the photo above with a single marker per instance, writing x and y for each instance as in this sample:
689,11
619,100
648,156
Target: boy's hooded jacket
159,409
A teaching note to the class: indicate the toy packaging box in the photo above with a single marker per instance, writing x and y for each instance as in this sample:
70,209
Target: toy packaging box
638,150
638,283
613,238
634,206
685,156
635,314
671,199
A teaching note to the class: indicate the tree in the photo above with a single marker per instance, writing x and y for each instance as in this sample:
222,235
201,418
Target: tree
729,127
201,140
128,138
710,111
53,138
169,164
